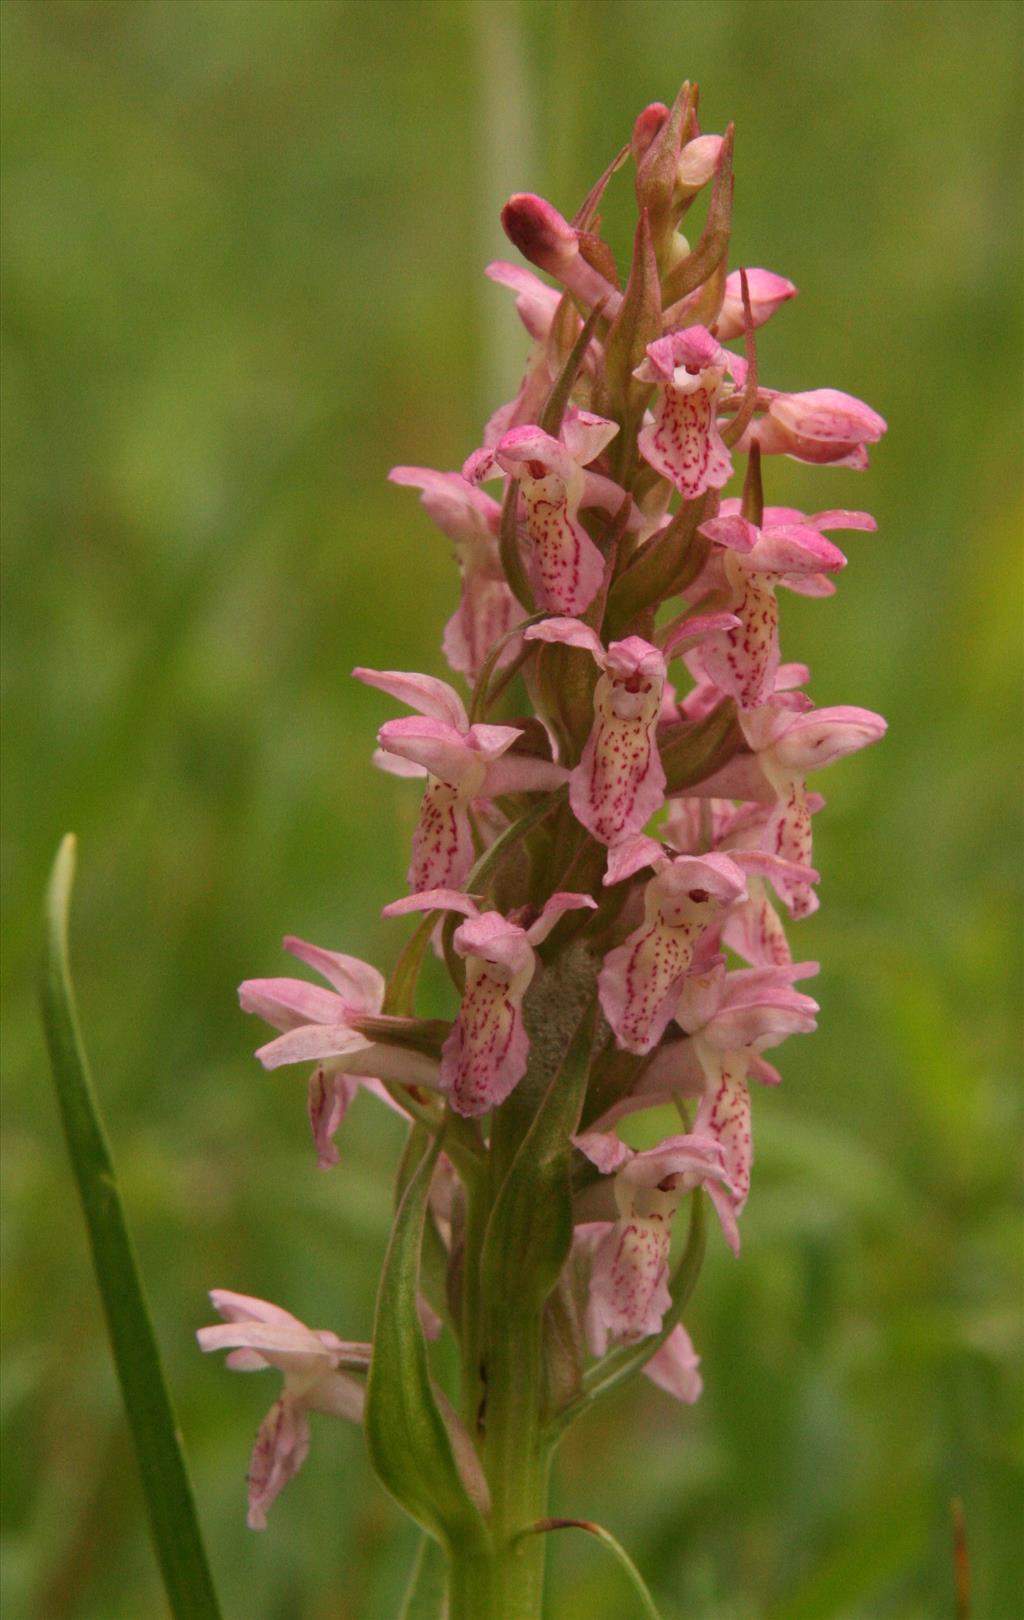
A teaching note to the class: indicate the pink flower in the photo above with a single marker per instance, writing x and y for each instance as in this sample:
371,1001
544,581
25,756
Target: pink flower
470,519
260,1335
768,292
619,782
629,1269
682,441
752,926
749,1011
461,763
788,737
320,1026
822,425
788,549
564,565
485,1056
789,742
640,981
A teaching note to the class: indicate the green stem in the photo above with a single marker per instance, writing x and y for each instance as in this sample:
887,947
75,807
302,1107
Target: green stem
507,1582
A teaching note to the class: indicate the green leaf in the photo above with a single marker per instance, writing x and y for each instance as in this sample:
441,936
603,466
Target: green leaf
529,1233
165,1481
556,402
426,1596
615,1547
690,753
411,1447
665,566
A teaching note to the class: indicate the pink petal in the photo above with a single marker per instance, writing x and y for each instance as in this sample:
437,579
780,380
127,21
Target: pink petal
282,1445
603,1149
629,1282
683,443
486,1054
442,844
330,1096
487,611
825,735
743,662
673,1367
724,1115
693,1158
443,751
536,302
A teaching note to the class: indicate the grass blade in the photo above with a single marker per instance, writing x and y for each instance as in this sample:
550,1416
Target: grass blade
165,1481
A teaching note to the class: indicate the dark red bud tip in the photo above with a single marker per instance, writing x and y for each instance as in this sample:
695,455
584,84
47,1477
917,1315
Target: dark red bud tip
539,232
647,126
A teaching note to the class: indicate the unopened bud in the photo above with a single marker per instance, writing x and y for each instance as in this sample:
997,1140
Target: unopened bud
648,123
697,163
540,233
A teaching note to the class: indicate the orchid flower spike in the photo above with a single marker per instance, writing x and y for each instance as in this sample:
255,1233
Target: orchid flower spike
629,1269
322,1027
260,1335
485,1056
487,609
681,441
461,763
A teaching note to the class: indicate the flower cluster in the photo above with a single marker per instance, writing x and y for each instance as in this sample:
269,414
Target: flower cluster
615,808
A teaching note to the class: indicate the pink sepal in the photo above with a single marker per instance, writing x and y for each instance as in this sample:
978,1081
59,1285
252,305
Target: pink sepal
424,693
433,900
536,302
290,1003
360,983
460,511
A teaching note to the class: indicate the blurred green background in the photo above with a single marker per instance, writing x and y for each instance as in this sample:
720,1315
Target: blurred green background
244,245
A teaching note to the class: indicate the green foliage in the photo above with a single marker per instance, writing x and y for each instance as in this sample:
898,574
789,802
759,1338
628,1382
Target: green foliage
242,248
414,1450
